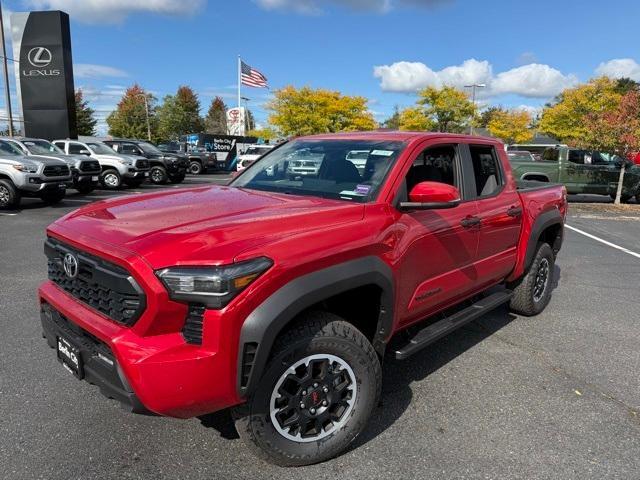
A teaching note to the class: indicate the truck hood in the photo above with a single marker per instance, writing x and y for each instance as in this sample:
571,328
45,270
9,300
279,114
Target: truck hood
204,225
69,159
37,160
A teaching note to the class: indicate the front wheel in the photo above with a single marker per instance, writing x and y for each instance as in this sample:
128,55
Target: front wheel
9,194
195,167
158,175
316,396
532,293
111,179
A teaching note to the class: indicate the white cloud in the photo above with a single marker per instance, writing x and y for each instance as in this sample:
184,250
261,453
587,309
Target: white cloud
619,68
89,70
315,7
534,80
115,11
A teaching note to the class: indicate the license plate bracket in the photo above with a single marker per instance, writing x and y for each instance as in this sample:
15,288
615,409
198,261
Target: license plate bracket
69,356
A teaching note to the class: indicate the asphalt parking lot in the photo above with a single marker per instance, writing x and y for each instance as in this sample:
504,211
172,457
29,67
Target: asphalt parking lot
556,396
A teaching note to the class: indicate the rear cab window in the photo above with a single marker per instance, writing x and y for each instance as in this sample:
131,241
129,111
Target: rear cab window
487,173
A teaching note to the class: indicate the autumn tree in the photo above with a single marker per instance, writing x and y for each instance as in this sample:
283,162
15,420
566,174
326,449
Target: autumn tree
216,119
85,120
129,119
566,118
448,108
511,126
307,111
415,119
180,114
616,131
487,115
267,134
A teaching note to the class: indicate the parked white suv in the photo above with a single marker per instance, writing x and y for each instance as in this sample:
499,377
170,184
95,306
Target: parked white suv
251,154
116,168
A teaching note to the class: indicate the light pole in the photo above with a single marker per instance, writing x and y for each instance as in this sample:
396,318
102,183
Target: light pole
7,96
473,99
146,109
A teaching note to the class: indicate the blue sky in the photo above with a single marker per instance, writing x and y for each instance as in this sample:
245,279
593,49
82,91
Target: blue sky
526,52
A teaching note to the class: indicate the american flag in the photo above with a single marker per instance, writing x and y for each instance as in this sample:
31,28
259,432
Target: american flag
252,77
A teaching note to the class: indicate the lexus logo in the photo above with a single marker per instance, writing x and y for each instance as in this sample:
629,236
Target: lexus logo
70,265
39,57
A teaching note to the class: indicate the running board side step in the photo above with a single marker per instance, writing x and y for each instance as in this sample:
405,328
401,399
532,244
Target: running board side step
443,327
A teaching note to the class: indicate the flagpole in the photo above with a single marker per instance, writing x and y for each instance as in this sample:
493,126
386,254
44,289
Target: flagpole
239,82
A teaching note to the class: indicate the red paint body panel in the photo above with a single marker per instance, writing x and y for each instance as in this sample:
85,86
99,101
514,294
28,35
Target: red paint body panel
436,263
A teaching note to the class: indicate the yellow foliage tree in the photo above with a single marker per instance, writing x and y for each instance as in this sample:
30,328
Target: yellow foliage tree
306,111
566,119
414,118
448,108
264,133
511,126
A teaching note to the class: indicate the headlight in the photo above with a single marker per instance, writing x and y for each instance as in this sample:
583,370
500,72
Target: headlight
212,286
26,168
124,161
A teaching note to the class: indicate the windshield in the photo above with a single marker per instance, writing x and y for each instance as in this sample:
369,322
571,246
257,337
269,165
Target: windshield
321,168
6,149
149,147
257,150
41,147
101,149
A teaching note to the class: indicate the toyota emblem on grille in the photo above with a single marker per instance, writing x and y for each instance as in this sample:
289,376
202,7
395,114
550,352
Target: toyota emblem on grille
70,265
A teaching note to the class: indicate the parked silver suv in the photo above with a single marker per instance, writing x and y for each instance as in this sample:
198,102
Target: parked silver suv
28,176
85,172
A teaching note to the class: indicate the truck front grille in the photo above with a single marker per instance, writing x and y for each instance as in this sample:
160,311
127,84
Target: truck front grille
90,166
101,285
56,171
142,164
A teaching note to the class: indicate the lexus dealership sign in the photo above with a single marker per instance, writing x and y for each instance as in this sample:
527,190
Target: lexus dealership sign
42,42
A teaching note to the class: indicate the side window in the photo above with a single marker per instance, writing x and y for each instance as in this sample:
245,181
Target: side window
486,170
128,148
435,164
578,157
60,145
551,154
75,148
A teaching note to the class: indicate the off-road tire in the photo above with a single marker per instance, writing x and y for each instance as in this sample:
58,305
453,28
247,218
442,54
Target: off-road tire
524,299
195,167
9,194
316,333
112,176
158,175
53,197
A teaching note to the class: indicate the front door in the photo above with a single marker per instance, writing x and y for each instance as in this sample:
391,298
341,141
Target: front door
438,248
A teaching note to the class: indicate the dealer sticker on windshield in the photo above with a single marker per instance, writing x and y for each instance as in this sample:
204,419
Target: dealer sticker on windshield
382,153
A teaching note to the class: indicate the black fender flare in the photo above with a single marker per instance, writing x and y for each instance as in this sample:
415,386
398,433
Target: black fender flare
544,221
263,325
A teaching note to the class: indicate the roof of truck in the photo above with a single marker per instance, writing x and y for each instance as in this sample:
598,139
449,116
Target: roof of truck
391,135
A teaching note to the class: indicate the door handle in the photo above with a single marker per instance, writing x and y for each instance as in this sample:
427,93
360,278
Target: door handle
514,211
469,222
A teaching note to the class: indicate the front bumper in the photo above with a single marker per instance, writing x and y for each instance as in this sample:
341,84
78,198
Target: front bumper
156,371
35,184
135,173
86,178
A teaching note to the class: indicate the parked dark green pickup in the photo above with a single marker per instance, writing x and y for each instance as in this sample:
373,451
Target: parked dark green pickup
581,171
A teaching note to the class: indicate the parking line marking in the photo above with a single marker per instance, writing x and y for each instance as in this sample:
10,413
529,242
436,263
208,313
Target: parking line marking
601,240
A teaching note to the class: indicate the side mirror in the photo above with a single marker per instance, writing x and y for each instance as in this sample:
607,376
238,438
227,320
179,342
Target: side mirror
430,196
85,152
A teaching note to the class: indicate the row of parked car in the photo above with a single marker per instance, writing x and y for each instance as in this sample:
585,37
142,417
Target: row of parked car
33,167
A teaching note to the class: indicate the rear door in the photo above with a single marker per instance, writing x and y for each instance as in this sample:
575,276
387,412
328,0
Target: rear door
500,212
438,247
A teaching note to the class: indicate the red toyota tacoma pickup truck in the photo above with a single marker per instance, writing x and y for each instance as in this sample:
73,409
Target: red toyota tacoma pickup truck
279,294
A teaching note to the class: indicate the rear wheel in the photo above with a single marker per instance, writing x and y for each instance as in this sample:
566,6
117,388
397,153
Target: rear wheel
317,394
195,167
111,179
9,195
531,294
158,175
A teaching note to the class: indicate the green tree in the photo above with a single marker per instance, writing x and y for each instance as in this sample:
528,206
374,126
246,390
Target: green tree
393,122
249,120
625,85
566,118
216,119
512,126
85,120
129,119
448,108
180,114
307,111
